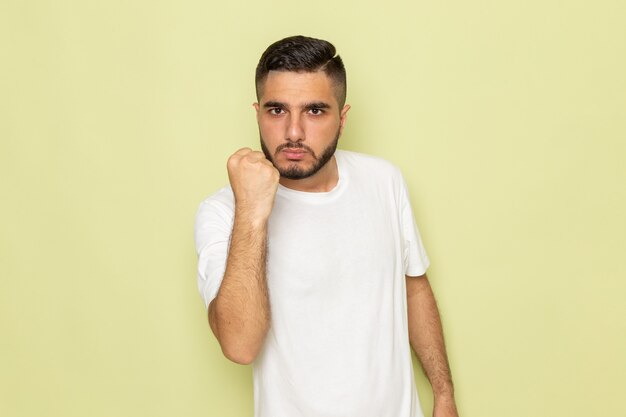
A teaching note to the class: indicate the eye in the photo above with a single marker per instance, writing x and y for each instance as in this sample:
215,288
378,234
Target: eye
315,111
276,111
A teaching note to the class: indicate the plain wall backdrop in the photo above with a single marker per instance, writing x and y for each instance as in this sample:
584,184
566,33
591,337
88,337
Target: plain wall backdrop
507,118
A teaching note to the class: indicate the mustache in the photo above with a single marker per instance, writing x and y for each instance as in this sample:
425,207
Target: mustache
295,145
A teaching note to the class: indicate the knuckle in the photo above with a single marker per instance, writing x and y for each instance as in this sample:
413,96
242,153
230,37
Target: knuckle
232,161
239,154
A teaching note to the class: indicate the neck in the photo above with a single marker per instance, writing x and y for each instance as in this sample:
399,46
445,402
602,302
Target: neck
322,181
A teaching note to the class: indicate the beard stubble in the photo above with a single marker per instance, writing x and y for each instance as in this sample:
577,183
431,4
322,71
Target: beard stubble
294,171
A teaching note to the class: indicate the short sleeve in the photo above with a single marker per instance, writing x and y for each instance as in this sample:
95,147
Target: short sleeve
213,227
416,261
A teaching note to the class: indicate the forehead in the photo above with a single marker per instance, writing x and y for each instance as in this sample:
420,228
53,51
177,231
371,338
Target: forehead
289,86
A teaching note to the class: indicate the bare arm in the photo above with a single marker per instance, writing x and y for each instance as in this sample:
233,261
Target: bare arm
426,337
240,313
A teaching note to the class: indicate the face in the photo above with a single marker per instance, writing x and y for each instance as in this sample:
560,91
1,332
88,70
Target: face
299,122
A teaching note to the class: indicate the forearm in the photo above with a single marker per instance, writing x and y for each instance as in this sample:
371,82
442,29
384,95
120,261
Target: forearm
426,338
240,313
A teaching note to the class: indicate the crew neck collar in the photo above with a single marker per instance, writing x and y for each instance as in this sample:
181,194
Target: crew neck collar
324,195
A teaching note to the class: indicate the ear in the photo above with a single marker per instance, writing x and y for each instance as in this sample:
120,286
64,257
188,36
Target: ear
256,108
343,116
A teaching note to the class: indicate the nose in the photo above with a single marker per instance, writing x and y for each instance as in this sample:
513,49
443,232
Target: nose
295,130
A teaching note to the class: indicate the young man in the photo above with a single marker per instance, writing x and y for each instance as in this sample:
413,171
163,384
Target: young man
310,263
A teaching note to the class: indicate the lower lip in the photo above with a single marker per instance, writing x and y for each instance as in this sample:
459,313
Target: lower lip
294,156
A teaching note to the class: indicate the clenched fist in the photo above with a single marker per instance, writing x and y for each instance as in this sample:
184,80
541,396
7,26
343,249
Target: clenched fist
254,181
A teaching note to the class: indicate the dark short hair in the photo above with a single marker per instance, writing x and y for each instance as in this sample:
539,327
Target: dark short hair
303,54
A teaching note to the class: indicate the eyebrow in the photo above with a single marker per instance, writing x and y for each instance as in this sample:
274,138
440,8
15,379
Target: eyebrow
278,104
306,106
316,105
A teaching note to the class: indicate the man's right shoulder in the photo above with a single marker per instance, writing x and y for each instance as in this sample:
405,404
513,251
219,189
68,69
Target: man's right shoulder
214,218
222,202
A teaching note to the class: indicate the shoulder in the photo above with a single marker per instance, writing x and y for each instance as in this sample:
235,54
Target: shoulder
214,218
372,167
222,197
221,204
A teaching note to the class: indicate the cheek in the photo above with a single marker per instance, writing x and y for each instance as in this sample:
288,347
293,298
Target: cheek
271,128
323,131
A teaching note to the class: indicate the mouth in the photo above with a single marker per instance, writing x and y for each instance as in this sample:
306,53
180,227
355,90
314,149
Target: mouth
294,154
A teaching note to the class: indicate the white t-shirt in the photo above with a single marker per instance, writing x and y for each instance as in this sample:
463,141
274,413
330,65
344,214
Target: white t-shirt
338,342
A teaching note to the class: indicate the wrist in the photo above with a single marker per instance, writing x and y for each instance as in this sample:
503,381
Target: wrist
255,219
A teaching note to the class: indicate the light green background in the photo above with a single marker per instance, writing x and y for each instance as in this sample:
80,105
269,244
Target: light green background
507,118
